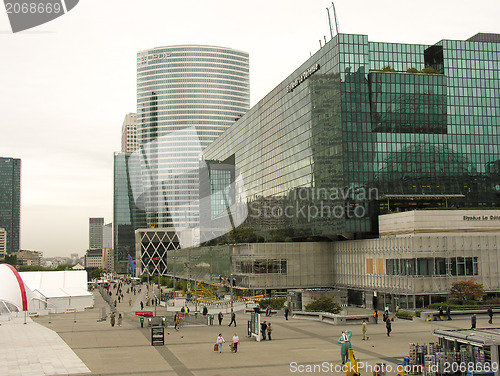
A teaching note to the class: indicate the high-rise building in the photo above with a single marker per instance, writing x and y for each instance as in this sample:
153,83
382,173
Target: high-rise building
366,128
129,133
127,217
107,235
95,233
10,202
186,97
3,243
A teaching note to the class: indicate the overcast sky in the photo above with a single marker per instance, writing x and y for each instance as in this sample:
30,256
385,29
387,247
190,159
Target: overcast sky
66,86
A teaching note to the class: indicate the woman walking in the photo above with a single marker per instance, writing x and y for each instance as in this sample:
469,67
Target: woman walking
236,340
220,341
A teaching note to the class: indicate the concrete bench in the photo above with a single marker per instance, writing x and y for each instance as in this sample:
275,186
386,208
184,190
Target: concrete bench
460,314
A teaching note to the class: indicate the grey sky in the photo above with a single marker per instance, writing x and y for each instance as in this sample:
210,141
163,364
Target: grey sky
66,86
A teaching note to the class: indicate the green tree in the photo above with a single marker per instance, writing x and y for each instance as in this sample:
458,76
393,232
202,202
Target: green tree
64,267
323,304
32,268
94,273
11,260
467,290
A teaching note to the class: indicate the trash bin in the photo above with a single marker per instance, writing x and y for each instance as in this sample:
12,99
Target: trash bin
211,318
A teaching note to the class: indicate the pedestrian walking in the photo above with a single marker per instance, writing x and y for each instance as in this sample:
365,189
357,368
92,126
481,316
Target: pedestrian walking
205,310
364,328
268,311
263,329
129,302
177,321
448,310
388,327
220,341
220,316
120,319
233,318
142,305
345,342
375,316
236,340
269,331
385,316
112,319
287,311
473,320
441,317
490,314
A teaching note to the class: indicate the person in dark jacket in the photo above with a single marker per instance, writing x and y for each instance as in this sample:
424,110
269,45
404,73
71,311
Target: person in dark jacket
220,317
263,329
388,327
473,321
490,314
233,318
448,310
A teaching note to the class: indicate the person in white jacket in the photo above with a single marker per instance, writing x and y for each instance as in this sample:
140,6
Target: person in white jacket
220,341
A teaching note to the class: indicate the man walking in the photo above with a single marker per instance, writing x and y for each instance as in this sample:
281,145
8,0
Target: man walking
388,327
233,318
490,314
448,310
220,316
364,329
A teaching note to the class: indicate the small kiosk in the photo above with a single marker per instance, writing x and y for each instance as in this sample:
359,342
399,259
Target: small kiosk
472,352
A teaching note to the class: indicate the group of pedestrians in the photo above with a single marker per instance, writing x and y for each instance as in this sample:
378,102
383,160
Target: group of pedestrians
234,345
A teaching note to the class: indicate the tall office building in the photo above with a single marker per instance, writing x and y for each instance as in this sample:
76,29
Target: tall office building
127,217
95,233
10,201
365,128
129,133
186,97
3,243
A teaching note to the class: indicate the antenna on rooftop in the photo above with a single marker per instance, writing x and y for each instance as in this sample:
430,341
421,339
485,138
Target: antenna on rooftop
330,20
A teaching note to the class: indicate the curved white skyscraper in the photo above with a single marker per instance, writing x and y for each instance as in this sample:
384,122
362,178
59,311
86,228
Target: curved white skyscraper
186,97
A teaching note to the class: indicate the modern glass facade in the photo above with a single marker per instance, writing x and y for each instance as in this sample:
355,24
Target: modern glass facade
342,139
10,202
186,97
96,233
127,217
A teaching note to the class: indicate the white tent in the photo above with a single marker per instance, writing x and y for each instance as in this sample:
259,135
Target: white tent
59,291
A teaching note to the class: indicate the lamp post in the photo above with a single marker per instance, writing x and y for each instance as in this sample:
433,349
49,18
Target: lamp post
231,249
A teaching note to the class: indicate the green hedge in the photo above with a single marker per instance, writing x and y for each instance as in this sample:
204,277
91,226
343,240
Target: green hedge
276,303
406,315
323,305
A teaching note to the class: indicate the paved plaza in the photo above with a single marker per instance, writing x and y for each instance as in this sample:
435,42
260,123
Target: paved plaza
92,347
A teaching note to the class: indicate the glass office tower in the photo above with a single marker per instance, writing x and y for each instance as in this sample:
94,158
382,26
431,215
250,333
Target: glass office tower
186,97
364,128
10,201
127,217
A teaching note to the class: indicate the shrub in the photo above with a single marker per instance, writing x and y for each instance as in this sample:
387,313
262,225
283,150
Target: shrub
406,315
275,303
430,70
412,70
388,68
323,305
467,290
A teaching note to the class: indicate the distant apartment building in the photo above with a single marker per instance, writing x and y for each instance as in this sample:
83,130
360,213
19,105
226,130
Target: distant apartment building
95,232
3,243
93,258
129,133
10,202
108,260
28,258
